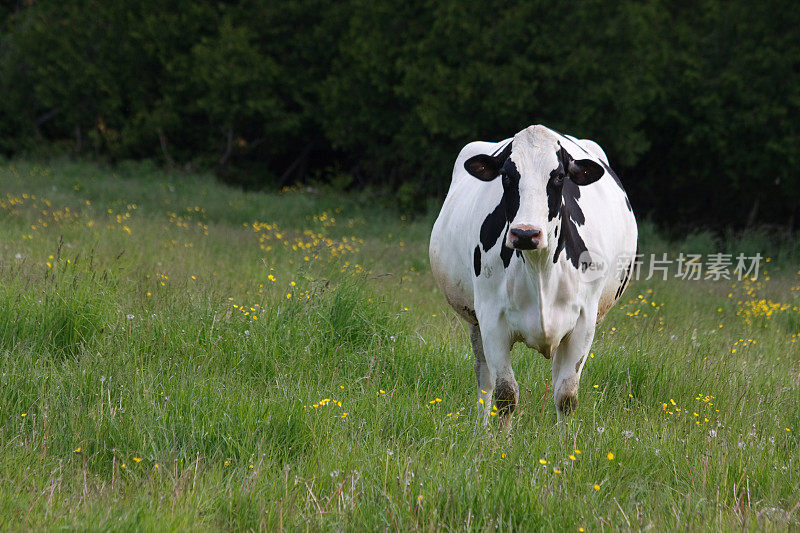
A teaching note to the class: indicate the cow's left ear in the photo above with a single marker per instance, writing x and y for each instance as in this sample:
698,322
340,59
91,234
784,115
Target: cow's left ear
584,171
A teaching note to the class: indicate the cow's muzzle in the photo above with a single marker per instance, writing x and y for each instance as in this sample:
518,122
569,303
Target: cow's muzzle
524,237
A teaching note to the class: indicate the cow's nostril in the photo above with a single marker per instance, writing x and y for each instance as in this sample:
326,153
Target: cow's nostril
525,234
524,237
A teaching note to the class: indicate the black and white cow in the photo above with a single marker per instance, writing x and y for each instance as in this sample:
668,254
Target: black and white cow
534,243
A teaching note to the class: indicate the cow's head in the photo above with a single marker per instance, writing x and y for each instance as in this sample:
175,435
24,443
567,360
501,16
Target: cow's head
539,176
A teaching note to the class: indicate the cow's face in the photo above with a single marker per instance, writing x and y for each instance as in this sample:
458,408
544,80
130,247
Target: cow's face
540,178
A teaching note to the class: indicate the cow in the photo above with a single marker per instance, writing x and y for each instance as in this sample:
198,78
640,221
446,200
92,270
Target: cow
535,242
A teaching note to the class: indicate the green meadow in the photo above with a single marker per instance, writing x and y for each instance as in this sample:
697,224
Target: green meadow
176,354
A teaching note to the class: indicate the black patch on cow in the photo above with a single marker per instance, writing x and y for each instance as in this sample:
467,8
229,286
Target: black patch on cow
476,261
496,223
619,183
571,217
613,175
562,201
607,169
554,193
505,252
625,276
493,225
503,152
511,177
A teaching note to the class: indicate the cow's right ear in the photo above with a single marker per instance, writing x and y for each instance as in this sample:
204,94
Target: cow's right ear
484,167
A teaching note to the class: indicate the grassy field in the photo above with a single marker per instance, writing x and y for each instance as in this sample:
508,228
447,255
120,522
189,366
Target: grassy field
178,355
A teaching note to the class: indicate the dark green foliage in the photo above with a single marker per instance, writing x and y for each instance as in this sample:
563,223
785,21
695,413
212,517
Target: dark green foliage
696,104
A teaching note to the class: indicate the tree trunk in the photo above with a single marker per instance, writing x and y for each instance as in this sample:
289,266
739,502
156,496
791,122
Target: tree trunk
162,139
223,160
751,217
41,119
298,166
78,139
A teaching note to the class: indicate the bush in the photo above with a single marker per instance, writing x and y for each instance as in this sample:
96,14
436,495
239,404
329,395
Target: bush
698,121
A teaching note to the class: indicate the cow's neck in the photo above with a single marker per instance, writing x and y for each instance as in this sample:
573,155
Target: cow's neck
553,291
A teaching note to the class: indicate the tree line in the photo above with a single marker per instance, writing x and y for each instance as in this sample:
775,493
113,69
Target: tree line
696,103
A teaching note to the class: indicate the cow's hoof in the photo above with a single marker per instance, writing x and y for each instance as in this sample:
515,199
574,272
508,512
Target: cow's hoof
506,392
567,404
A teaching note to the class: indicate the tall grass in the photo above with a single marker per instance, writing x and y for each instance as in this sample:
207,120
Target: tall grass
175,364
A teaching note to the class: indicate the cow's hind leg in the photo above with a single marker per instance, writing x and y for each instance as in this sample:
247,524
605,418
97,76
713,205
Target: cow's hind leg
485,382
568,362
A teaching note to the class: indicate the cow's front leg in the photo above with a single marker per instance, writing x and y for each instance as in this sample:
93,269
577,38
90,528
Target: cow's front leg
568,361
499,378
